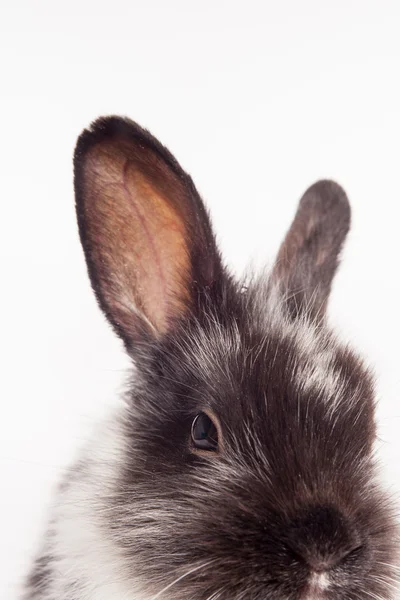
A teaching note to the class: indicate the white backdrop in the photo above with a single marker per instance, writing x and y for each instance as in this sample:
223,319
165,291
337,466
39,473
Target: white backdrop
257,99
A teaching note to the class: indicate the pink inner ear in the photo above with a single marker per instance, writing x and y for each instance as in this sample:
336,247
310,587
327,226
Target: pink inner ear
138,239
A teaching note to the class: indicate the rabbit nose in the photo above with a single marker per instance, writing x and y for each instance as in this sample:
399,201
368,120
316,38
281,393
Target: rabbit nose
322,564
323,538
319,565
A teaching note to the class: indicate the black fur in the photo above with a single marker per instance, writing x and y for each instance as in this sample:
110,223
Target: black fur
291,495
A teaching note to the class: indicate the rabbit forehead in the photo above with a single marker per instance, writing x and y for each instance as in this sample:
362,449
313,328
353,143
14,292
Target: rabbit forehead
263,343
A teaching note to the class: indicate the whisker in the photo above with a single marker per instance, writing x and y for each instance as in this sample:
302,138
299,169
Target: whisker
167,587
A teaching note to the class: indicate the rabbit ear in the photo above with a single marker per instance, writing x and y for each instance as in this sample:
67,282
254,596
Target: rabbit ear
309,255
146,235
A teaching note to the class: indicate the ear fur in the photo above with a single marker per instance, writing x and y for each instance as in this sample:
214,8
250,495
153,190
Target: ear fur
146,235
309,255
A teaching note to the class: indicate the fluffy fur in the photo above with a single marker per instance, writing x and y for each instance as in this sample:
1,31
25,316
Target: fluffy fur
290,507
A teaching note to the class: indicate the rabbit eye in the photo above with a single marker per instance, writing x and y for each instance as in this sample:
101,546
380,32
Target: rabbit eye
204,433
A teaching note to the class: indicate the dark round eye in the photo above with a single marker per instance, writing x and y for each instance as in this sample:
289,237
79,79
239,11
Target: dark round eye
204,433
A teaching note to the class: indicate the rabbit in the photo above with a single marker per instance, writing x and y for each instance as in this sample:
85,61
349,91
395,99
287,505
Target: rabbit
240,463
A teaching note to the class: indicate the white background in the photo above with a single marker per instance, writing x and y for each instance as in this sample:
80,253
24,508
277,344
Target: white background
257,99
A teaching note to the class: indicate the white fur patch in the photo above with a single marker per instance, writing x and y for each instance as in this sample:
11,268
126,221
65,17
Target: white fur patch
318,583
85,565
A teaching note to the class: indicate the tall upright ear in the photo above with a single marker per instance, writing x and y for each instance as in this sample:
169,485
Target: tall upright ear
309,254
146,235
